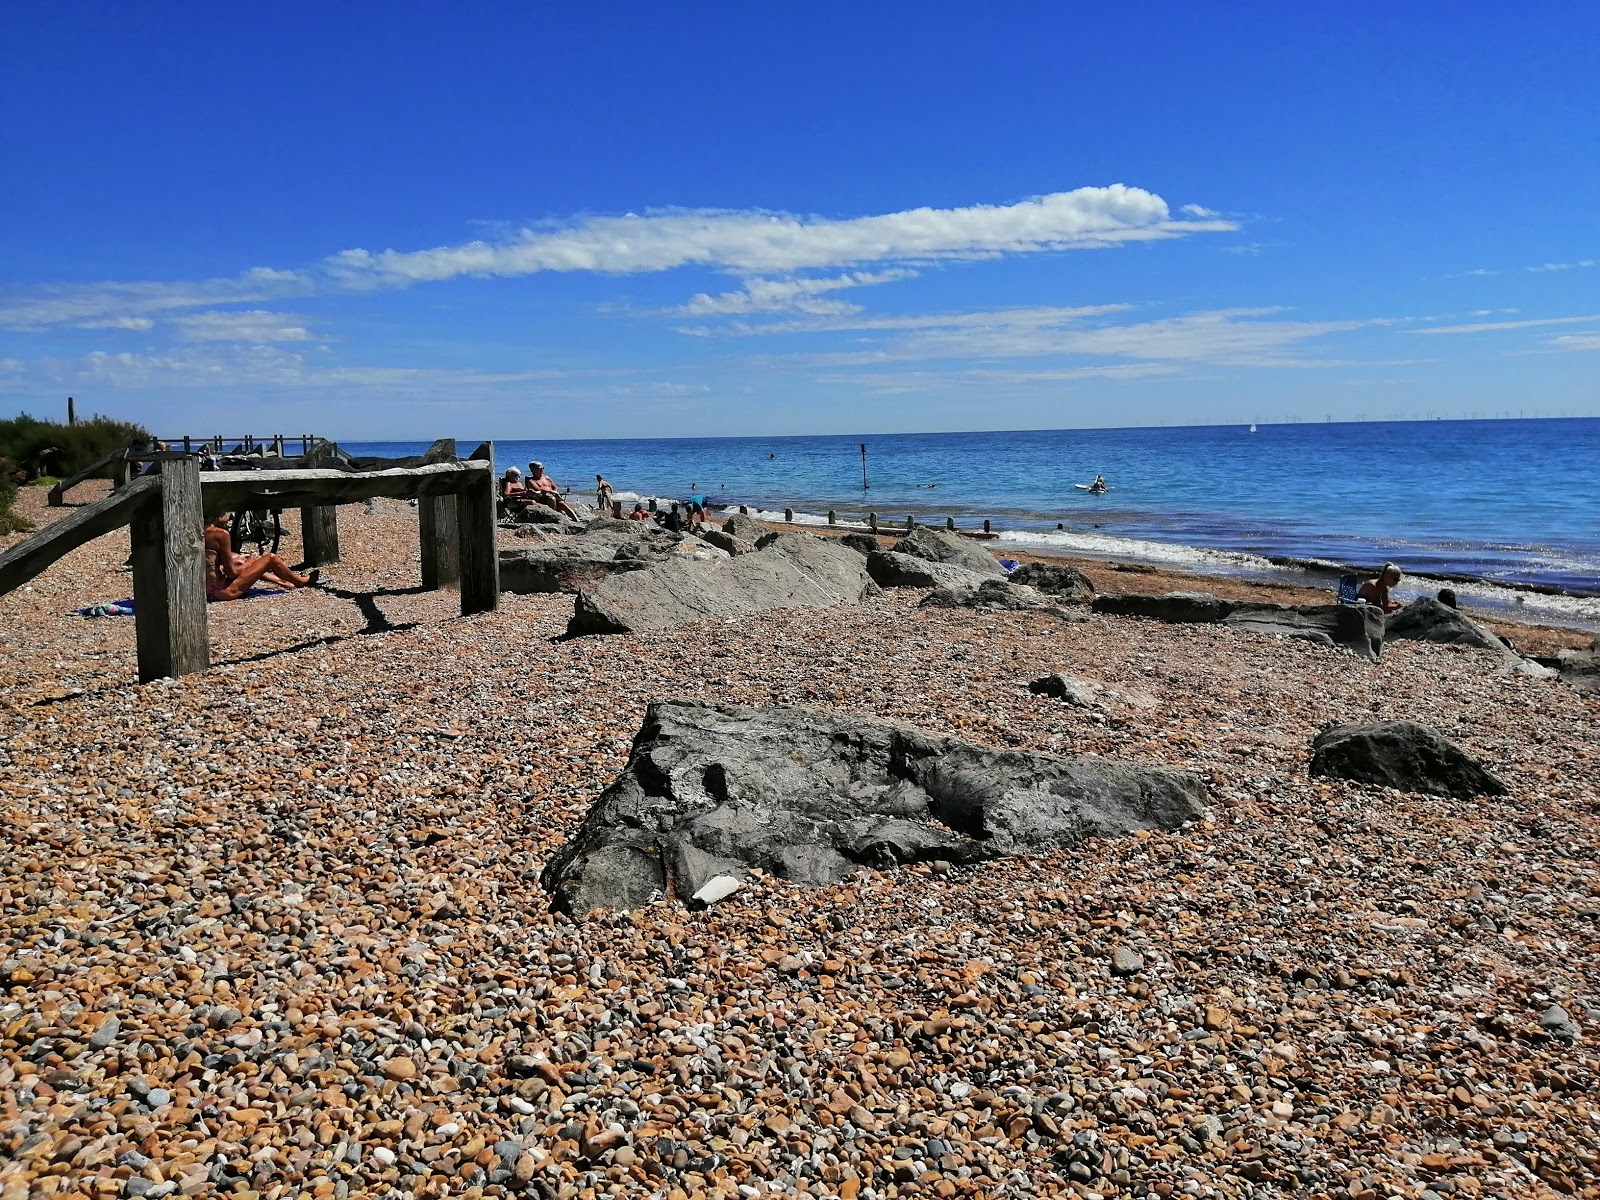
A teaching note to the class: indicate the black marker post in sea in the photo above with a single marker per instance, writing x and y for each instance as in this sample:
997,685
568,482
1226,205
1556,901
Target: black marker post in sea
864,484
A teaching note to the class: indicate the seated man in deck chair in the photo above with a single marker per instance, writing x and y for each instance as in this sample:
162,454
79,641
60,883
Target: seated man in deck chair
229,576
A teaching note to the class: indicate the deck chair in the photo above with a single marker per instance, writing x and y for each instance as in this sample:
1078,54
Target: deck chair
1349,589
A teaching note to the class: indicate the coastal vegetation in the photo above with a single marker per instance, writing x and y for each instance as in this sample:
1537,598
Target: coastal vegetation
32,451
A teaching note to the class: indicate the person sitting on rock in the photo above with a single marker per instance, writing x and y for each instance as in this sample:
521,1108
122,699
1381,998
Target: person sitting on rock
229,576
1376,591
544,490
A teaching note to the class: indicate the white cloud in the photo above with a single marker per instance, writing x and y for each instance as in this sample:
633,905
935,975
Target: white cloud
120,303
1576,341
136,324
764,242
789,295
1199,210
1566,266
1493,326
256,325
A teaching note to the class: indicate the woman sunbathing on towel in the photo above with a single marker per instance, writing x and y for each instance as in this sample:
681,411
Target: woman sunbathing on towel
229,576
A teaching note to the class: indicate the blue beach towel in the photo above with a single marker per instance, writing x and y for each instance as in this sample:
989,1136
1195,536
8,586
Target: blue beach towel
1010,564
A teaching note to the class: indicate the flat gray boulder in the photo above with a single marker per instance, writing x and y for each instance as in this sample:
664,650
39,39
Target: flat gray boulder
1357,628
861,543
710,790
1067,584
791,571
936,546
1183,608
1428,620
727,542
891,569
1402,755
1079,693
570,562
746,529
1581,669
996,594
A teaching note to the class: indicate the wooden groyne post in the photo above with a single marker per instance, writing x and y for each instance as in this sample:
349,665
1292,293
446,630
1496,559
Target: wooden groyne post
475,535
319,526
439,533
169,576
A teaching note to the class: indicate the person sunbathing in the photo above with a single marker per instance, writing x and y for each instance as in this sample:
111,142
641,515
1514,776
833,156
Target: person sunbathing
229,576
542,488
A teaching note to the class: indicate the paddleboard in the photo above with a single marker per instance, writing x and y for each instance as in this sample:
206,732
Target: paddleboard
1089,487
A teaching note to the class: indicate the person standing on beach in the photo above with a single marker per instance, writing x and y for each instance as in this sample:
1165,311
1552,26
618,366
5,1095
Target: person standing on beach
602,495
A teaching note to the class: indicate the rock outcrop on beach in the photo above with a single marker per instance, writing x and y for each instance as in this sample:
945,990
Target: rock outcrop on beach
1079,693
937,546
1426,619
1358,628
789,570
811,796
1067,584
1402,755
861,543
746,529
892,569
1581,668
1000,595
570,562
1355,627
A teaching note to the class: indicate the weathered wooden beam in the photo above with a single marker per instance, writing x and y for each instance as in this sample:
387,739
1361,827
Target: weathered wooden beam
58,492
32,555
229,490
169,577
438,532
480,559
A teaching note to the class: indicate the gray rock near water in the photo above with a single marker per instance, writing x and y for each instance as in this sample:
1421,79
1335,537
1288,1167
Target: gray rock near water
1355,627
746,529
794,570
861,543
1581,668
1184,608
1402,755
890,568
1427,620
728,542
1053,579
812,796
952,548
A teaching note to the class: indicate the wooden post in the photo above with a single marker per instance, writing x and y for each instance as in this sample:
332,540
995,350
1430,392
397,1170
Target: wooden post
319,535
72,411
437,527
788,516
911,523
169,577
653,504
986,524
475,533
744,510
872,521
833,517
277,445
319,527
950,524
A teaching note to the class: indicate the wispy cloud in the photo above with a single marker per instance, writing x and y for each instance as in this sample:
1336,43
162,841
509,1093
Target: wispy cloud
1199,210
1576,341
757,243
113,305
803,295
1496,326
1537,268
256,325
1565,266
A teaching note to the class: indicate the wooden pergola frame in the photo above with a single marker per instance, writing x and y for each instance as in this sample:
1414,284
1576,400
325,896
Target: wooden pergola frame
166,513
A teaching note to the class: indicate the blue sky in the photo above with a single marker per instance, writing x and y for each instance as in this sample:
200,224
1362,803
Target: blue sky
407,220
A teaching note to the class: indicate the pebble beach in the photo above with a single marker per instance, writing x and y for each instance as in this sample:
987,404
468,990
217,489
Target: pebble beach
276,930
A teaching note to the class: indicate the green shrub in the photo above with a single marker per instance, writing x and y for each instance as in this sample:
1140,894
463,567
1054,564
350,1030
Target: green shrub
51,448
9,521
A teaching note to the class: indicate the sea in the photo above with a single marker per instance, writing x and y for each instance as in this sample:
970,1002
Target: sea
1506,511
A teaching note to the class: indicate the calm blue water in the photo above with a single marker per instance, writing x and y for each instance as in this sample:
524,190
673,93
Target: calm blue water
1506,501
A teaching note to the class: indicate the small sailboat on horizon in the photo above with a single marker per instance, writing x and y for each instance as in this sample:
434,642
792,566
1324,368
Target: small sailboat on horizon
1252,426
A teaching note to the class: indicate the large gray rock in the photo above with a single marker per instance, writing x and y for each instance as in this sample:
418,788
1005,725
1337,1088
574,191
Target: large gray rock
1184,608
1402,755
1427,620
1056,579
746,529
997,594
569,563
1079,693
795,570
939,547
1355,627
727,542
861,543
812,796
1581,668
890,568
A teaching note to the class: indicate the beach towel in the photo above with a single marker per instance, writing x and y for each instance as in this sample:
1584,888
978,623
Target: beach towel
108,608
1008,564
